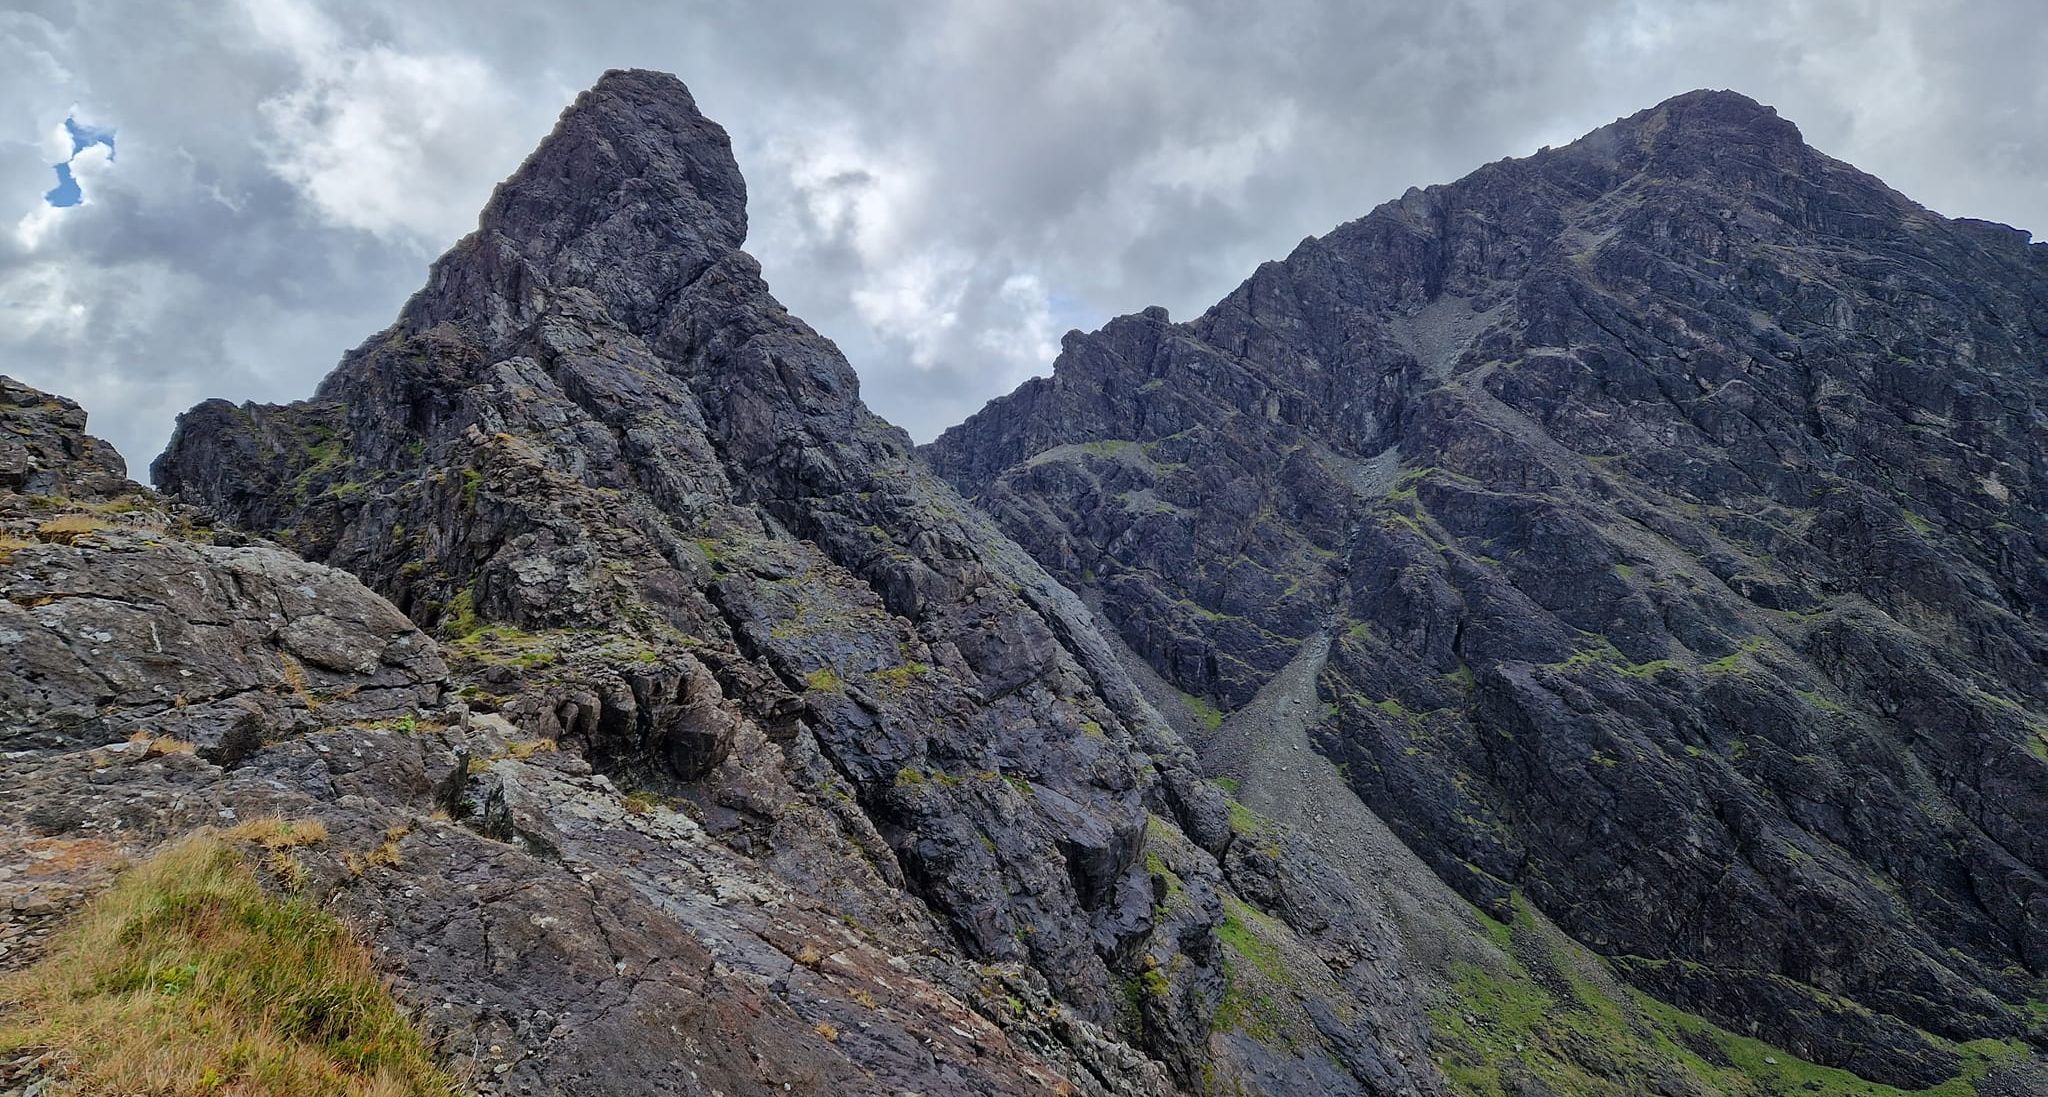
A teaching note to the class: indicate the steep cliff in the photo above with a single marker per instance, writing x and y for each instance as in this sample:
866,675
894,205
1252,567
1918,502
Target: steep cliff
654,526
1662,523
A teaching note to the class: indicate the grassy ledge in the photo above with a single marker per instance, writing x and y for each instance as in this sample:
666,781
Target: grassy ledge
188,978
1541,1022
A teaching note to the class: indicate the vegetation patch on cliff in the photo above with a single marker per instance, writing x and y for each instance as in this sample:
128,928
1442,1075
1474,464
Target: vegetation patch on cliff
1542,1020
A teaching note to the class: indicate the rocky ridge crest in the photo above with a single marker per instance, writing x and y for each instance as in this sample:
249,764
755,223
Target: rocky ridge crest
1661,521
654,525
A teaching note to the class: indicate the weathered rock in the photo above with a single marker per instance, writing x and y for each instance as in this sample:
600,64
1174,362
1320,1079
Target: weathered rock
554,934
45,452
122,620
649,514
1675,502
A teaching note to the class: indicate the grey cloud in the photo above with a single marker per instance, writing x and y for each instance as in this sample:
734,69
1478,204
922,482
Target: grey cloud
940,187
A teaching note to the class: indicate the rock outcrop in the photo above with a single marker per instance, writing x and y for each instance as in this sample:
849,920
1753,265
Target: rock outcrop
1673,508
124,621
656,529
553,934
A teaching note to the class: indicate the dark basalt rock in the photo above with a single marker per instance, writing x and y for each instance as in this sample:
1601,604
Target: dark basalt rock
1675,500
553,935
653,523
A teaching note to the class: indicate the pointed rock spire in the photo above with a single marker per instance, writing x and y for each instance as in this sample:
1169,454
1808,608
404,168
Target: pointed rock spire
632,196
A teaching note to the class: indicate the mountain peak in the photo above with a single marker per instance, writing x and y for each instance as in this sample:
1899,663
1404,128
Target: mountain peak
1719,114
632,196
634,143
596,431
1425,449
1699,122
1717,103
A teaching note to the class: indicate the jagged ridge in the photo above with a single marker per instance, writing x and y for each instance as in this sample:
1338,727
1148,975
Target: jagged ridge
648,511
1675,502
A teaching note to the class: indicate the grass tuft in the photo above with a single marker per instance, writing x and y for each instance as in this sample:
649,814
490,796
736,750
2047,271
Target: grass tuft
188,978
66,529
825,680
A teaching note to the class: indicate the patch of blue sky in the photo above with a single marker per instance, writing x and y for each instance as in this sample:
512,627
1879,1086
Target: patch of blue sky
67,192
84,137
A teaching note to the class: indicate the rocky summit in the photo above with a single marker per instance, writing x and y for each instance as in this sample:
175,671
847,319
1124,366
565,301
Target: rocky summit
1572,631
1653,532
953,847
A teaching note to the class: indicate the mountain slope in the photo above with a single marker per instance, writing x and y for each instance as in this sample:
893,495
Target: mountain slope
653,523
1671,507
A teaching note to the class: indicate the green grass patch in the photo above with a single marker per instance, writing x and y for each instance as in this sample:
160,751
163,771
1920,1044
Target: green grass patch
1257,989
1396,709
1243,820
459,619
824,680
1497,1026
323,454
1737,661
1649,670
188,978
1204,711
1246,932
1819,701
1601,652
901,677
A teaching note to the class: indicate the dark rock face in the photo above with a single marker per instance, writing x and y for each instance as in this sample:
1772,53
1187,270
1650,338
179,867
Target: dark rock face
1677,502
554,935
654,524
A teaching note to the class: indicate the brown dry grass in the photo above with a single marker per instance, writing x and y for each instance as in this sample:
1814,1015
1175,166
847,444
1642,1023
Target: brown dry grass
275,832
66,529
295,678
278,837
156,746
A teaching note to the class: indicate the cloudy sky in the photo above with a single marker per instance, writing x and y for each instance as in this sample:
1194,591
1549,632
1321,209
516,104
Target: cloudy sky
249,187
